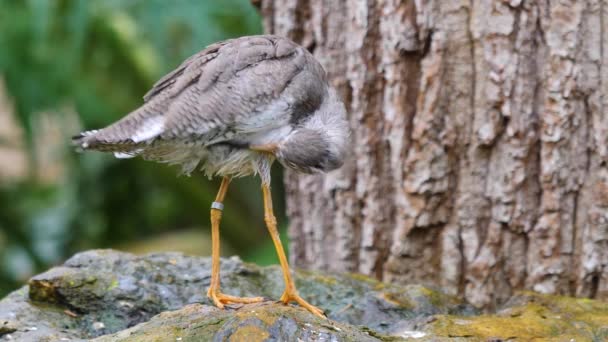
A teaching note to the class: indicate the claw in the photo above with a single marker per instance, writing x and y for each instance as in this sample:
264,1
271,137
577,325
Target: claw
294,297
219,299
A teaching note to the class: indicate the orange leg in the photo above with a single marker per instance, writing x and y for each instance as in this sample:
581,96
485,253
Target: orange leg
214,289
290,294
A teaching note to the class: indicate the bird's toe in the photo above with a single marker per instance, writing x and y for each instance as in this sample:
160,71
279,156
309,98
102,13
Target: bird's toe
290,297
220,299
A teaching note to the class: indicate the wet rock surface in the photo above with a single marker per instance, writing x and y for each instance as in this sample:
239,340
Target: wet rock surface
116,296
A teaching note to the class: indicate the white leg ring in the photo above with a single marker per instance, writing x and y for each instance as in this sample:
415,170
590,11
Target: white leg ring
217,205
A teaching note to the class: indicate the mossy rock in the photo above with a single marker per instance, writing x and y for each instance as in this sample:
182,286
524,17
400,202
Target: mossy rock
116,296
530,317
268,321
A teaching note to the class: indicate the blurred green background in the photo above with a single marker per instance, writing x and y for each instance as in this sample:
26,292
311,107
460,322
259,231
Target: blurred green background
67,65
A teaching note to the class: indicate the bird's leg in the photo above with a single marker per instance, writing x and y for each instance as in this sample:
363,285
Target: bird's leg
290,294
219,299
266,148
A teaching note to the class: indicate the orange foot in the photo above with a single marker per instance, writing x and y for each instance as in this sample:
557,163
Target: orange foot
292,296
219,299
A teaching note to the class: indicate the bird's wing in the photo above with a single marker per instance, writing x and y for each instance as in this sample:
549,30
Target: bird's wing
167,83
139,128
238,87
232,87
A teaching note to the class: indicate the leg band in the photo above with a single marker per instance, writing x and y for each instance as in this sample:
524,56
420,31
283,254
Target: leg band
217,205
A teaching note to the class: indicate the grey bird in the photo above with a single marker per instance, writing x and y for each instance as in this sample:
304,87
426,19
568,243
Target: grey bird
231,110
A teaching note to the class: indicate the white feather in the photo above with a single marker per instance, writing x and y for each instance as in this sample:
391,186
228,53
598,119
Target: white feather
127,155
273,116
149,129
121,155
270,136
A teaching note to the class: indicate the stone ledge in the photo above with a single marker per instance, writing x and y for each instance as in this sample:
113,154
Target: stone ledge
112,295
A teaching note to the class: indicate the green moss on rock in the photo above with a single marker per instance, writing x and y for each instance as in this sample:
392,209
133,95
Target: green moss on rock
530,316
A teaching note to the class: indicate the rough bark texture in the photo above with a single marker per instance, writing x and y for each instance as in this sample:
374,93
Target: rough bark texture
480,144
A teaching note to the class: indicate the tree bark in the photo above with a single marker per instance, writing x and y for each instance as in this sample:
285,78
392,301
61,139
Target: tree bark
479,148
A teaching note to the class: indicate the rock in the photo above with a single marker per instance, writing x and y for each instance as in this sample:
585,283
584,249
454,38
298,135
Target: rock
116,296
531,316
255,322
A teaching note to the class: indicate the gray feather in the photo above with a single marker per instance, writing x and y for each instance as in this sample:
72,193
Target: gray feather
246,91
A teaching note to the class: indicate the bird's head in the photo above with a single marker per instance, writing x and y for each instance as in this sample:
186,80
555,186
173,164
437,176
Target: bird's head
320,143
309,151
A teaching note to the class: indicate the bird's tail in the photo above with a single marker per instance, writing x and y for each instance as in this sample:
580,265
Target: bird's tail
90,140
126,137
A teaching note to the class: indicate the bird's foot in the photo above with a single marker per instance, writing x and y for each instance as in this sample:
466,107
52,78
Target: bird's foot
220,299
292,296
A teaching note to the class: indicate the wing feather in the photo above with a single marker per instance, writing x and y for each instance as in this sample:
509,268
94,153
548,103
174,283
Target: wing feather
246,78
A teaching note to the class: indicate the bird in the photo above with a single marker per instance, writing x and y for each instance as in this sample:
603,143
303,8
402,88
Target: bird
231,110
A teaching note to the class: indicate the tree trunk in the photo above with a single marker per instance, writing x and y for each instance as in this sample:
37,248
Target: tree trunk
479,148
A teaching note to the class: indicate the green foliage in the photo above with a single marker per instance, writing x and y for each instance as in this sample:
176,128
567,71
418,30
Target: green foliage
98,58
